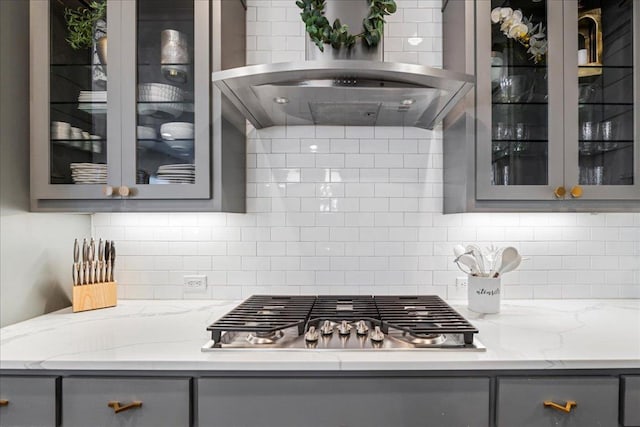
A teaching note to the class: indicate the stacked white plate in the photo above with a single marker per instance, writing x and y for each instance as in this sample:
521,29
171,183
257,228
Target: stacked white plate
153,97
90,100
88,173
177,174
60,130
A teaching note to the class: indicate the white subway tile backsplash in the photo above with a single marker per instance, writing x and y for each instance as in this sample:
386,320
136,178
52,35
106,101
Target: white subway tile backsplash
349,209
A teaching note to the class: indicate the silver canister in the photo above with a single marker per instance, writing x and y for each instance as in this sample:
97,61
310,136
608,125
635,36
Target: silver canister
174,55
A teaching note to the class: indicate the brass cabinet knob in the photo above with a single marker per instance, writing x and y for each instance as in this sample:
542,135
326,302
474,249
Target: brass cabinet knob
108,190
576,192
124,191
560,192
117,407
566,408
4,402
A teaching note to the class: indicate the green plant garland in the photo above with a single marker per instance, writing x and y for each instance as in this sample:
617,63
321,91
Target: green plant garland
338,35
81,21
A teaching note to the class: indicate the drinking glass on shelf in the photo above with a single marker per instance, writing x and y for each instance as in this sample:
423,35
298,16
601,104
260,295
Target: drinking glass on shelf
502,131
514,88
608,132
598,175
505,175
589,131
521,136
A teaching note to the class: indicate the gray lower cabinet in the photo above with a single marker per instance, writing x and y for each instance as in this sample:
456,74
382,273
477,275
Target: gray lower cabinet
631,401
112,402
343,402
28,401
521,401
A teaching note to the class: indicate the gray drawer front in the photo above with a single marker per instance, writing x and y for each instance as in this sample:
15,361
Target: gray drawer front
165,402
343,402
520,401
32,401
631,401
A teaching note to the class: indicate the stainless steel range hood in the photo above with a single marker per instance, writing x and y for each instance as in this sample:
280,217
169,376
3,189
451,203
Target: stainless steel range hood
343,92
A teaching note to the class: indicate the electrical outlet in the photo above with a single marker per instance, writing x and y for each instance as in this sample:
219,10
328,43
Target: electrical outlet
462,282
195,283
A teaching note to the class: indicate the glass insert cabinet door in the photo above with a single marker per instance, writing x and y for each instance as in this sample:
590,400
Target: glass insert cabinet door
72,99
166,88
519,68
603,86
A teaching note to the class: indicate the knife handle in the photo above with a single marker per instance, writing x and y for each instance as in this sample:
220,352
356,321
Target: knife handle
92,250
76,251
108,273
113,263
75,273
80,270
85,250
92,272
87,273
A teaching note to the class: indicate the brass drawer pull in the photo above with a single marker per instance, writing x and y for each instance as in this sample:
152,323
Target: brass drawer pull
566,408
117,408
4,402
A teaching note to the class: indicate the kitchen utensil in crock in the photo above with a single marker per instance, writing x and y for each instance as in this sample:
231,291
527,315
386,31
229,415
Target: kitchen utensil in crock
469,262
511,259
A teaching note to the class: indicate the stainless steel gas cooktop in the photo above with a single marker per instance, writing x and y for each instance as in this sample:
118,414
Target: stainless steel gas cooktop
359,322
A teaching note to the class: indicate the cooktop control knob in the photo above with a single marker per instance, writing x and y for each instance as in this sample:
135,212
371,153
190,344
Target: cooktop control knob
312,334
377,335
344,328
361,327
326,328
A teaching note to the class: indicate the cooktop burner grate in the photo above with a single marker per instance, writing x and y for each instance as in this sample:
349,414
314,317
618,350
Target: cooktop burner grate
269,318
265,314
422,316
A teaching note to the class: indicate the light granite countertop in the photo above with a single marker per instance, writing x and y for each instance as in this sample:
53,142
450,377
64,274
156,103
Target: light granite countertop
167,336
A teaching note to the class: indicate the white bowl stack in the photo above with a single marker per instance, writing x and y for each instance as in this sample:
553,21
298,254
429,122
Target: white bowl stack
153,97
147,137
178,135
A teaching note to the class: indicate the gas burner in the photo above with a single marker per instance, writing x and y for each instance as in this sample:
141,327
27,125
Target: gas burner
422,339
264,338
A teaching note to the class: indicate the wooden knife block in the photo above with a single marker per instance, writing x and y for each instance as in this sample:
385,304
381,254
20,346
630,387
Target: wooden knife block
95,296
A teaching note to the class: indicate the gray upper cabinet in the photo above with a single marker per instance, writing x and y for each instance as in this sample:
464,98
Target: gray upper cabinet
135,126
554,121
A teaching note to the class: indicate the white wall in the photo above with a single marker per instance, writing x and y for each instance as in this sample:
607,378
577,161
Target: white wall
357,210
35,249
